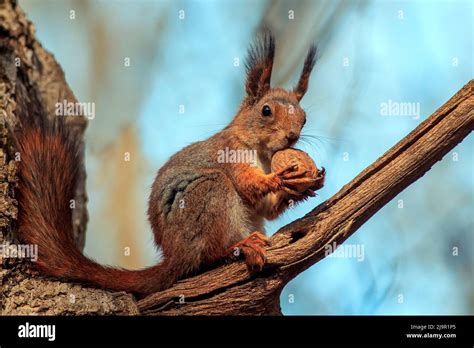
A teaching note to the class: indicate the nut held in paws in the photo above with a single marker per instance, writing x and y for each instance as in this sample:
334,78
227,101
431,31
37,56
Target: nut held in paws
301,159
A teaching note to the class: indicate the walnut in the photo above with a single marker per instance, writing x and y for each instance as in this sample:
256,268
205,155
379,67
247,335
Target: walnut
284,158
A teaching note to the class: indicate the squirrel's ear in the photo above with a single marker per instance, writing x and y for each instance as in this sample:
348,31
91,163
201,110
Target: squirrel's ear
259,66
302,85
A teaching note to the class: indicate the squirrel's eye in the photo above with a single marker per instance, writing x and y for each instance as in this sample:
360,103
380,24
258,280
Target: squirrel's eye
266,111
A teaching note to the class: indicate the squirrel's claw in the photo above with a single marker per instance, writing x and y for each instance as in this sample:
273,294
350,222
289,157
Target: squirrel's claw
295,174
319,181
292,192
286,170
297,181
252,249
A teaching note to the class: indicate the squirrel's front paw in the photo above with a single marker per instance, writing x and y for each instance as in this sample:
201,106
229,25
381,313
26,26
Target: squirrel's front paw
278,179
304,179
291,175
252,247
274,182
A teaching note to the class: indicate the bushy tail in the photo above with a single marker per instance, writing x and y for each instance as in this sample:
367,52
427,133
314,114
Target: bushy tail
48,171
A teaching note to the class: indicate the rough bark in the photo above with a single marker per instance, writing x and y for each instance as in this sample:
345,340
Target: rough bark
228,289
23,292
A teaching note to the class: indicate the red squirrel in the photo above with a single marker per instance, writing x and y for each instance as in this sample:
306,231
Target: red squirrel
200,210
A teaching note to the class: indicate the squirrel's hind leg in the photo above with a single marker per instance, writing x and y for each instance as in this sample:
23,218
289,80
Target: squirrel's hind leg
252,247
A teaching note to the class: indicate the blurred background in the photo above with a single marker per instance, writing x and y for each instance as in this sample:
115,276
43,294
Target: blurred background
163,74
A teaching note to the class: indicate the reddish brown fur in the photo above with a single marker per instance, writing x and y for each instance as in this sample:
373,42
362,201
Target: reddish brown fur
198,208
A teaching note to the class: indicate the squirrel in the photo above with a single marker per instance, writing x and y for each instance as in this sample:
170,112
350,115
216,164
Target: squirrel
200,210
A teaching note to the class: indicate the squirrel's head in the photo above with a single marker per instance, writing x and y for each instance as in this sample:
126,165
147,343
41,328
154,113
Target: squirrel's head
271,119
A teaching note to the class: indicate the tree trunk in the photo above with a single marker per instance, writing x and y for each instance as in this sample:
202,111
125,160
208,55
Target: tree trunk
25,64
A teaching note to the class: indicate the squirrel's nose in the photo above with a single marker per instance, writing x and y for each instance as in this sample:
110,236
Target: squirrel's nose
292,137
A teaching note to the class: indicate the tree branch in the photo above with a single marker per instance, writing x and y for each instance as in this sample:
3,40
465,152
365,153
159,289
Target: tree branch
231,290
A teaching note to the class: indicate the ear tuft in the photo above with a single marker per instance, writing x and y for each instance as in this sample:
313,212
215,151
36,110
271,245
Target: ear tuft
259,65
309,62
